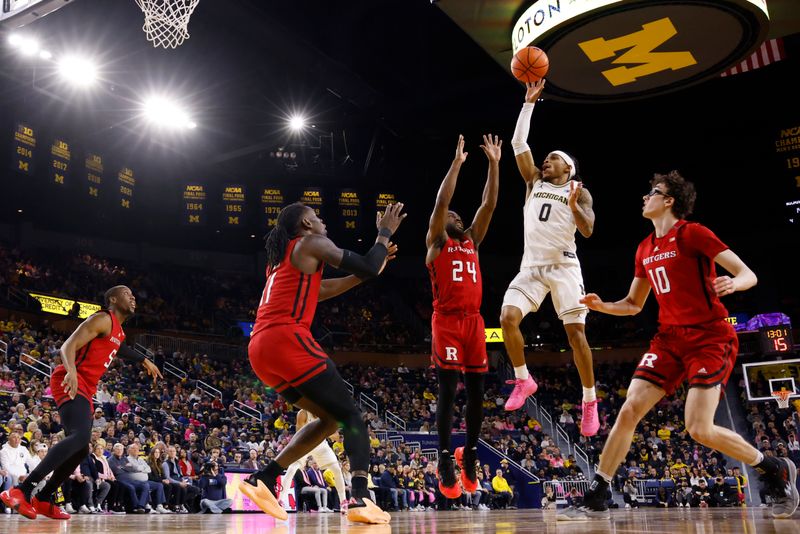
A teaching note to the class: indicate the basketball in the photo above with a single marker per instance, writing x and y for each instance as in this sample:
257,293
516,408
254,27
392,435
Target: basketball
530,64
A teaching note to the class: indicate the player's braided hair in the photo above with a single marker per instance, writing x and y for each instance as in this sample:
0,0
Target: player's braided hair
680,189
285,230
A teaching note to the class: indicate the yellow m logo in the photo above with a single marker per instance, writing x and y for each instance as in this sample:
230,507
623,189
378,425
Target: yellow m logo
194,218
59,178
233,220
125,203
272,222
23,166
350,225
93,191
639,46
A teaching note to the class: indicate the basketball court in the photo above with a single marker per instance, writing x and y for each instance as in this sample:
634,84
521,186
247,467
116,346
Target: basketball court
642,521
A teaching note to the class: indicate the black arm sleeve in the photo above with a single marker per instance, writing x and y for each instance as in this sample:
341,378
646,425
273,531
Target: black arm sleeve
366,266
127,353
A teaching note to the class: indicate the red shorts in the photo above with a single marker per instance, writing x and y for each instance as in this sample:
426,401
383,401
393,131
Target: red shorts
85,389
704,355
286,356
459,343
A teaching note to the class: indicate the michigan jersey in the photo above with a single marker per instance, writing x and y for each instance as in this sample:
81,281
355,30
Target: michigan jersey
549,226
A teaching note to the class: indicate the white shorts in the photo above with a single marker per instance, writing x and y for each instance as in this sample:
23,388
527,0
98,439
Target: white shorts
324,455
564,280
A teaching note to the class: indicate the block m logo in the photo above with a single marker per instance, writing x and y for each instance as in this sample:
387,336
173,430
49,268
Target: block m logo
350,225
639,46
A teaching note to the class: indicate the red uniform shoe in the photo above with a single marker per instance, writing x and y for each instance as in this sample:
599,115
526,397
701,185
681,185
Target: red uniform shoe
15,499
49,509
446,473
469,485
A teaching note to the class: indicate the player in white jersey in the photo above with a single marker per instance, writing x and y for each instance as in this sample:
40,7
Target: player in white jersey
556,204
325,458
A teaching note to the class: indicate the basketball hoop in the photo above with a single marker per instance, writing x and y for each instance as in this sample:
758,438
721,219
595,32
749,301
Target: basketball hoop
782,398
166,22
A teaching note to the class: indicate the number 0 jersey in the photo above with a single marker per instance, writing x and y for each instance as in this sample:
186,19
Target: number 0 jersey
456,278
549,226
680,268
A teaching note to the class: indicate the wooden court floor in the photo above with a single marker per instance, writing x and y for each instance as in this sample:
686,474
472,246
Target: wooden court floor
642,521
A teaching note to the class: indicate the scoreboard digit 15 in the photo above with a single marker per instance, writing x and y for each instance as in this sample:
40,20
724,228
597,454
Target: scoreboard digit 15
776,339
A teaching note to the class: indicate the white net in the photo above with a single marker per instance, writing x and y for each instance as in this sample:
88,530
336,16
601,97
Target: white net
166,22
782,398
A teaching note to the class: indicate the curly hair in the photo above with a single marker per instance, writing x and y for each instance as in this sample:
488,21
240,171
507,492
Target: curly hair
680,189
285,230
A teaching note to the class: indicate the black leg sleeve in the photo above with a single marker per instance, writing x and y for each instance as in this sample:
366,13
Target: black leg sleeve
448,381
474,416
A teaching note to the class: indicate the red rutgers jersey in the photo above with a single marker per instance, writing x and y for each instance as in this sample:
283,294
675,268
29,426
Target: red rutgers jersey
680,269
456,278
290,296
91,362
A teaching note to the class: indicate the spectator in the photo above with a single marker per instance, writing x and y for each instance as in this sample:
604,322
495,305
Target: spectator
630,494
184,492
664,498
95,488
503,495
13,460
701,496
317,480
388,481
116,489
129,476
214,497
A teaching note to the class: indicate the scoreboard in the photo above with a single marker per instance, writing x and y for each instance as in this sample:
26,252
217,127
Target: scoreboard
776,340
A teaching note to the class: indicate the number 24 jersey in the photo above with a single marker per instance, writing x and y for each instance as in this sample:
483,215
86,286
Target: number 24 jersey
456,278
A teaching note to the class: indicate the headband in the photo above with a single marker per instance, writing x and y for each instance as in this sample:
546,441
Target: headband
568,160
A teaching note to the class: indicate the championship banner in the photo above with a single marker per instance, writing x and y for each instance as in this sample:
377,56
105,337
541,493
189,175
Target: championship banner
787,159
271,204
61,306
194,204
24,145
94,174
233,199
349,208
384,199
126,185
61,154
312,197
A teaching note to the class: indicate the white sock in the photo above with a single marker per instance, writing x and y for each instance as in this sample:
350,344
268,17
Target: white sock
589,394
758,460
521,372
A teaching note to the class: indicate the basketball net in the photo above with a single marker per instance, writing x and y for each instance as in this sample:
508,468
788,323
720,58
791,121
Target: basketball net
782,398
166,22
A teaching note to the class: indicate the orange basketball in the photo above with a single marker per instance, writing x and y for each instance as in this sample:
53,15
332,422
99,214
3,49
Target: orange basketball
530,64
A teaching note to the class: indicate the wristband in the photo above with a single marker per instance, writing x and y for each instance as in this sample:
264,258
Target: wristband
385,232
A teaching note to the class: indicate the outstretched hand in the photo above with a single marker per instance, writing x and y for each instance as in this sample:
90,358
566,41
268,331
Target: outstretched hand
152,369
492,147
592,301
574,194
534,91
461,156
390,256
391,218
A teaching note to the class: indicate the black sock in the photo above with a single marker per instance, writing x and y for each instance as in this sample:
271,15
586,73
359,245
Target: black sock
599,484
769,465
269,474
360,490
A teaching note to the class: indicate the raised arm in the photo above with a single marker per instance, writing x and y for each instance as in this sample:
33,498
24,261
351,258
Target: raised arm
315,248
436,227
630,305
743,277
522,152
580,202
480,224
97,325
333,287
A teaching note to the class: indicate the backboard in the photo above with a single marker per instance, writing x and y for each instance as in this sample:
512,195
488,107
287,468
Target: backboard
18,13
762,378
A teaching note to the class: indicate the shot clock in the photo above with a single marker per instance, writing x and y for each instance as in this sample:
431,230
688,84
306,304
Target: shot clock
776,339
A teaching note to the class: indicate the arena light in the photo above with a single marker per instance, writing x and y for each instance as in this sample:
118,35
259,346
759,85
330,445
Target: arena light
27,46
163,112
45,54
77,70
297,122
